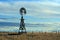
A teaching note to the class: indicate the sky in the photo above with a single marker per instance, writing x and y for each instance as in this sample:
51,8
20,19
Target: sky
38,11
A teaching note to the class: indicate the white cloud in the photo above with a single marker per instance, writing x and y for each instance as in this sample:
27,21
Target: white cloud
51,11
1,20
34,9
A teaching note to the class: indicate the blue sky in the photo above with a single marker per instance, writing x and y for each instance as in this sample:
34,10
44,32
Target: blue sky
40,11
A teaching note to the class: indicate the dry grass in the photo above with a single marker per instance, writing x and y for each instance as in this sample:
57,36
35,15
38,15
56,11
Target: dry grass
30,36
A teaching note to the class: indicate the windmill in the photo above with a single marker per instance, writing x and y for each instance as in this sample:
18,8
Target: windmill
22,24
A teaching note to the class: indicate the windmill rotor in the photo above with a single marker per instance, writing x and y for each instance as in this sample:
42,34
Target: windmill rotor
22,11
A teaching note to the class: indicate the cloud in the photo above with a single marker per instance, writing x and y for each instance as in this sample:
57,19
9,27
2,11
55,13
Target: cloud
1,20
37,10
47,28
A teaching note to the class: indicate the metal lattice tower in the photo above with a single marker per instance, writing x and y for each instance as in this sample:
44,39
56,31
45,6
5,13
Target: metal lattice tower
22,24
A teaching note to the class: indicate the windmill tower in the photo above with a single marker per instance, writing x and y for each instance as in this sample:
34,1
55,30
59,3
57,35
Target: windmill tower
22,28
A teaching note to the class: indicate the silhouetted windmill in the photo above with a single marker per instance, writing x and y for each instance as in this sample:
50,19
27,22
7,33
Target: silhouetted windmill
22,28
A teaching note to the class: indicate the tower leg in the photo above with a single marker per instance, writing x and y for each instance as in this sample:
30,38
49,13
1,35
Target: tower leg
22,26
